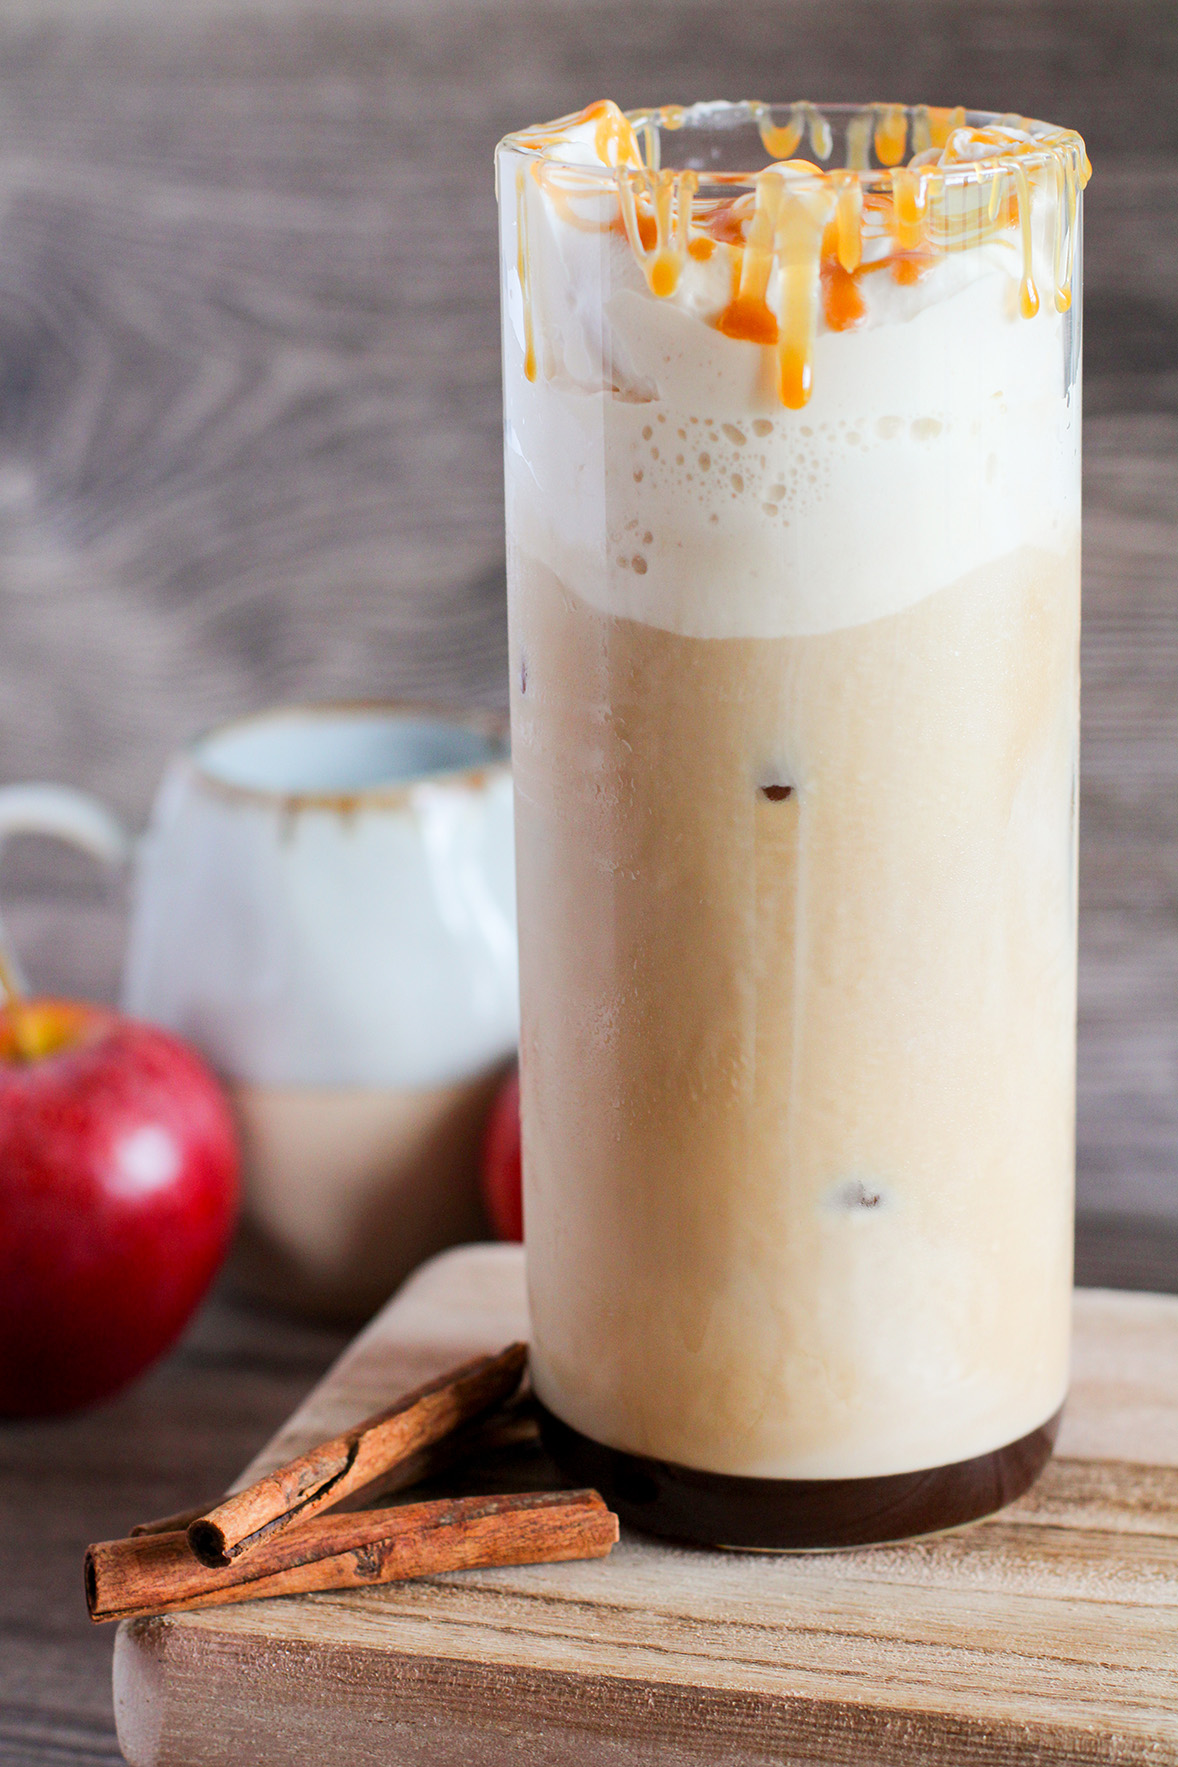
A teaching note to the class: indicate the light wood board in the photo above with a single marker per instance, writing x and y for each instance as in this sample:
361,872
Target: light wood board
1049,1634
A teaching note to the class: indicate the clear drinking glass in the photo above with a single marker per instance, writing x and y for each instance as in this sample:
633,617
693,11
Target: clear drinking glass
793,517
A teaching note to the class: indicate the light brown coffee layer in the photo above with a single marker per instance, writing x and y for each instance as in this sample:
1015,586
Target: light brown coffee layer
798,980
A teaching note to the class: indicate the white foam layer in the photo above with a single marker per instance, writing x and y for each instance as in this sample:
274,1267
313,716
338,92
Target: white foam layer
653,469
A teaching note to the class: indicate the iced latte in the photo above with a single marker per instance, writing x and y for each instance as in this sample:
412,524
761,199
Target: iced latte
793,424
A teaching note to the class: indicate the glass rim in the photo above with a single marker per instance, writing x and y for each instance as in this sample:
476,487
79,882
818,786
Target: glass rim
1049,144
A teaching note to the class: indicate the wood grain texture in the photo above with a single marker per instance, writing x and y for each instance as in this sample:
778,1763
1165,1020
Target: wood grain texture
248,317
249,388
1045,1635
188,1429
183,1431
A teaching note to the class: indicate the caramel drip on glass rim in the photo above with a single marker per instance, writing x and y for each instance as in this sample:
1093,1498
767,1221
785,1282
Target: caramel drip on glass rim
1064,260
524,271
801,223
796,238
848,210
781,141
909,200
670,195
1028,294
891,134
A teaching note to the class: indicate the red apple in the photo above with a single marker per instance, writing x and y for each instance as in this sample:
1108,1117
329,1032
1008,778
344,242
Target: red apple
118,1190
501,1166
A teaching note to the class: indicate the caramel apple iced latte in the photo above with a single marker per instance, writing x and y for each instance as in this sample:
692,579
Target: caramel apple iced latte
793,528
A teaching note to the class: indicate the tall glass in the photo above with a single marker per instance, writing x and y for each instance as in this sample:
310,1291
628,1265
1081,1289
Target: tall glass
793,516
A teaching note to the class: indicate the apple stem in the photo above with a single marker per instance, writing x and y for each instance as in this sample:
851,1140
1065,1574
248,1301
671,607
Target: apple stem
10,982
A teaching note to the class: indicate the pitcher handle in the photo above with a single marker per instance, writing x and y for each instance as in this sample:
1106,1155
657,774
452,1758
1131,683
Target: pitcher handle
68,815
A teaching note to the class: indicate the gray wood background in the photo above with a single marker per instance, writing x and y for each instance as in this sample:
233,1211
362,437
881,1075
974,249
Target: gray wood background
249,396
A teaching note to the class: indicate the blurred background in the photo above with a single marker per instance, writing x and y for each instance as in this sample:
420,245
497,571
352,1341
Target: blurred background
250,418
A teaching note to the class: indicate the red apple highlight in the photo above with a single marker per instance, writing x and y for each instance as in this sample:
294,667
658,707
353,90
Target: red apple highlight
118,1192
501,1166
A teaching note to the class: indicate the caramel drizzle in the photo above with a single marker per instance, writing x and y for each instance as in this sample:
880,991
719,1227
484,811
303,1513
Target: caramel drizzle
941,123
891,133
848,214
859,142
781,141
786,234
1066,175
808,225
524,271
909,203
801,223
670,195
1028,294
614,139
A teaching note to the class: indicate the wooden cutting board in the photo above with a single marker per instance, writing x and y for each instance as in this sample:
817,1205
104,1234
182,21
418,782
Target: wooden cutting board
1049,1634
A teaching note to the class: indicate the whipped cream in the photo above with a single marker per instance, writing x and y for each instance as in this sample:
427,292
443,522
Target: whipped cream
653,468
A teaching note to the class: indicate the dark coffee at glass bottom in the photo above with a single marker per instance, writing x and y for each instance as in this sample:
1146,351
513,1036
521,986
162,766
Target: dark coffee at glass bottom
798,1515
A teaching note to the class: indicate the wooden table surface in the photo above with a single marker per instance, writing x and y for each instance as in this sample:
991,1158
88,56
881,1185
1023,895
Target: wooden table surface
178,1438
1043,1637
249,449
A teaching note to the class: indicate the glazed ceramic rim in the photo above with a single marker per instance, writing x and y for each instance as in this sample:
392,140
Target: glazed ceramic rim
471,776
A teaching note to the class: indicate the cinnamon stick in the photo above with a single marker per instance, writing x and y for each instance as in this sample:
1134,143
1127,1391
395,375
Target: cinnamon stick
157,1574
325,1475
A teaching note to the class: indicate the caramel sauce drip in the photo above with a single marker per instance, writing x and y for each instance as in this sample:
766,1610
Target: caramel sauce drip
843,305
922,129
1028,294
891,134
786,235
848,211
941,124
909,201
726,222
796,239
669,195
801,225
748,316
524,271
614,138
1065,233
907,268
859,142
781,141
